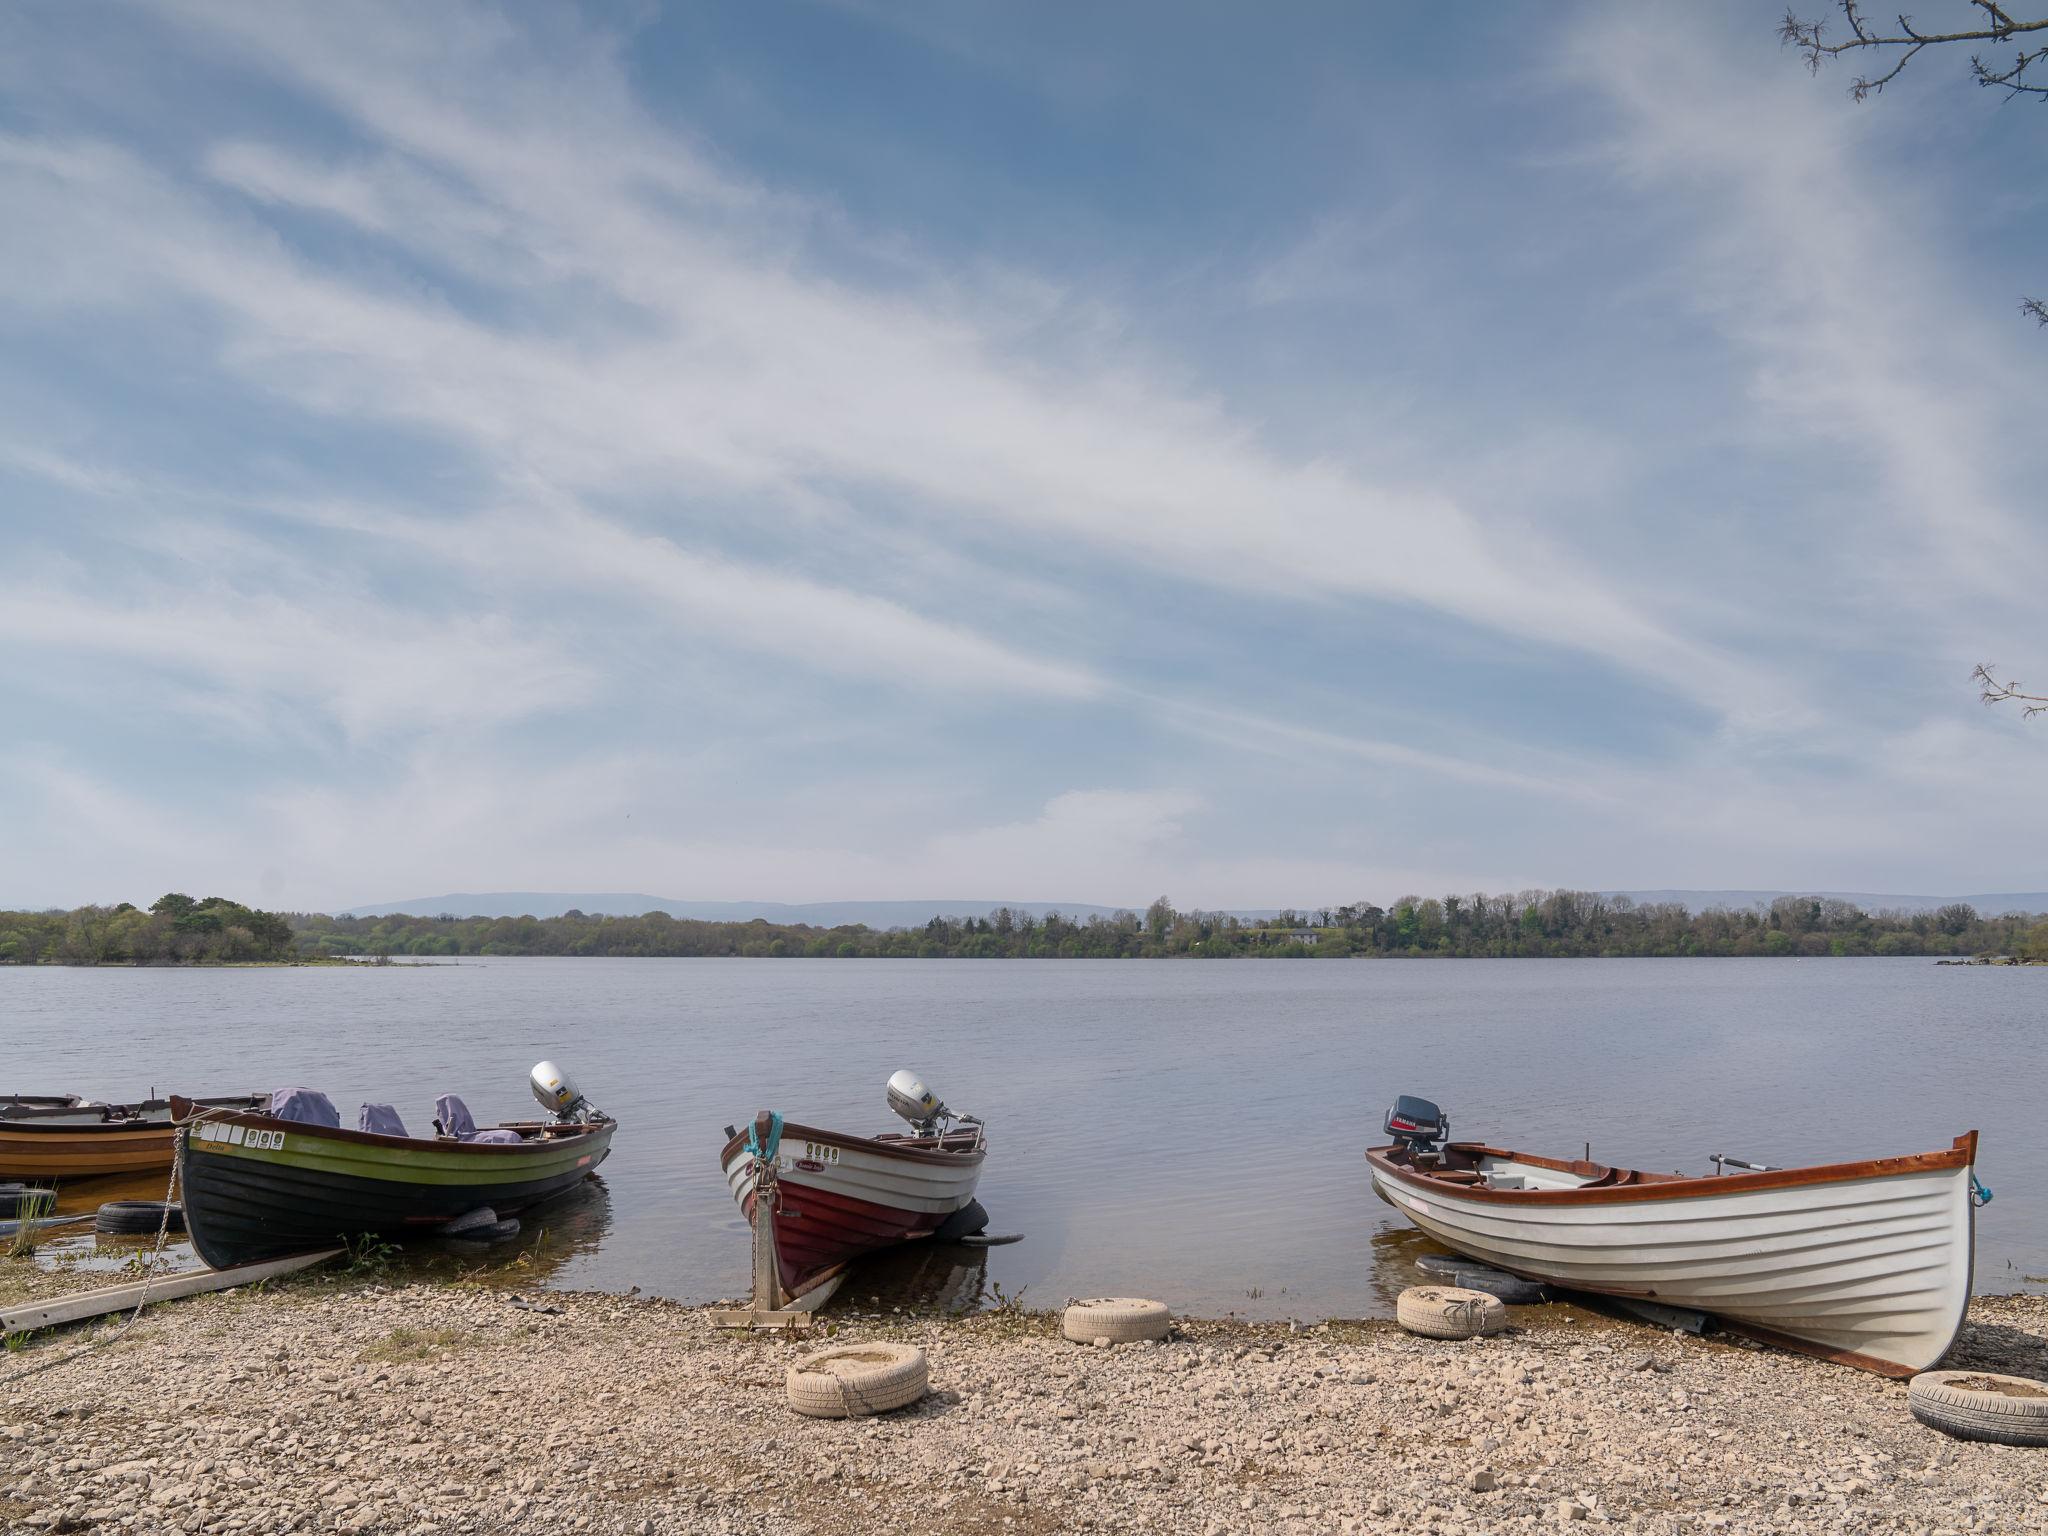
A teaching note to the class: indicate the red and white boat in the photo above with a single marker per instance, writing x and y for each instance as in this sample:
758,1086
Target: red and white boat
839,1196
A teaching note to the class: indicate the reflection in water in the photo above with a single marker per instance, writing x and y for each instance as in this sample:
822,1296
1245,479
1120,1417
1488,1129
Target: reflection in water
550,1238
1394,1252
920,1278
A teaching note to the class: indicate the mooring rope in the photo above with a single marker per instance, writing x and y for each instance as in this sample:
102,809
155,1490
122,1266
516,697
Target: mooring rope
163,1237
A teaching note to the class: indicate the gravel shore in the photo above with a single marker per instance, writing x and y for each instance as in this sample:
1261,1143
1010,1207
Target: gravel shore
332,1405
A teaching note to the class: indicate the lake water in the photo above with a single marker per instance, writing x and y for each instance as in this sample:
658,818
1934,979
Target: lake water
1186,1130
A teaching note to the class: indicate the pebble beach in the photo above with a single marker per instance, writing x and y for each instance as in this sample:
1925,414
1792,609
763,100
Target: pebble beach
352,1406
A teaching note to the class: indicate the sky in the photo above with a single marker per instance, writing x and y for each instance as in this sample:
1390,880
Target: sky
857,451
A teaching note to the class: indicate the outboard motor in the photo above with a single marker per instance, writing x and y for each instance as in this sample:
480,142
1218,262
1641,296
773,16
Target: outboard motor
1417,1124
559,1096
916,1103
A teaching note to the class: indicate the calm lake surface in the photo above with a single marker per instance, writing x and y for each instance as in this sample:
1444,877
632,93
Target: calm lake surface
1178,1129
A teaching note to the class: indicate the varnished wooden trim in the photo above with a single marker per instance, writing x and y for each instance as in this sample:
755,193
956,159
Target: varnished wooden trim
907,1151
1657,1186
552,1133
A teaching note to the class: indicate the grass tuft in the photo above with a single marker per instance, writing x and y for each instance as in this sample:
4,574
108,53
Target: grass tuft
407,1344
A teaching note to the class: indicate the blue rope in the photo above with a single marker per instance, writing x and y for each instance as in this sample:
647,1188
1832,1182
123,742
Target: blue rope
754,1148
1981,1193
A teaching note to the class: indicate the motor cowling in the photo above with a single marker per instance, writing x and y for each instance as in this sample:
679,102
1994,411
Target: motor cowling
558,1093
911,1099
1417,1123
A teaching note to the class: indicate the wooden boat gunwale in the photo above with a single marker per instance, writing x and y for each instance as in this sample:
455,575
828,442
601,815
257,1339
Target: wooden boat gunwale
927,1150
113,1117
536,1134
1627,1186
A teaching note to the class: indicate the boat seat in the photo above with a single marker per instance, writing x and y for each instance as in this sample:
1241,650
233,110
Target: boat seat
307,1106
453,1120
1458,1176
380,1120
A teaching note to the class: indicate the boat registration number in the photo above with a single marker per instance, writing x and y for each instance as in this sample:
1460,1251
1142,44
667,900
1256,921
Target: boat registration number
242,1136
817,1152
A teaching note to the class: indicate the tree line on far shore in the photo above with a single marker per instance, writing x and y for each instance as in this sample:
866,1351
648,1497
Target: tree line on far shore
176,930
1537,924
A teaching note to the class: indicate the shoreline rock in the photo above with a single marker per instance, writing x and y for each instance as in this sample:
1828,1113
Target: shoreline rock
422,1409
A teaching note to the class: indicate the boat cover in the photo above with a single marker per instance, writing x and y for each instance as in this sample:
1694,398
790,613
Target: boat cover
306,1105
380,1120
454,1119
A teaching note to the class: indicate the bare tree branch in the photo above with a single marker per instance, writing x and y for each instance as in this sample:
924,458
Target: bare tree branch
1992,691
1998,26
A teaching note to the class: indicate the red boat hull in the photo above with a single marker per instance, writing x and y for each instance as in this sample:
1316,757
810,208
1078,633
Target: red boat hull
840,1196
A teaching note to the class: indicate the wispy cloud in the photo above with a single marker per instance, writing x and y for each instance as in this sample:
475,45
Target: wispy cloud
736,365
369,670
460,429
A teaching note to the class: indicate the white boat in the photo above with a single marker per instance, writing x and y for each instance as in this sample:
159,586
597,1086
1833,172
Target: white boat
839,1196
1864,1263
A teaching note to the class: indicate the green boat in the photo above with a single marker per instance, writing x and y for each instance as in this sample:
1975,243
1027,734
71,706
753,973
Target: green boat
259,1186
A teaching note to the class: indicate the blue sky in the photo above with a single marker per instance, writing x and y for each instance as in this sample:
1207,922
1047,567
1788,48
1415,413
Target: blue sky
829,451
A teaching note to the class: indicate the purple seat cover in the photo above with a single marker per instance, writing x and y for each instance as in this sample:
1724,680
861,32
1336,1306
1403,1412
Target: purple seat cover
454,1118
306,1105
494,1135
380,1120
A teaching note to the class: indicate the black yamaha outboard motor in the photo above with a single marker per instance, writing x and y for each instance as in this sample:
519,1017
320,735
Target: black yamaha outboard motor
1418,1125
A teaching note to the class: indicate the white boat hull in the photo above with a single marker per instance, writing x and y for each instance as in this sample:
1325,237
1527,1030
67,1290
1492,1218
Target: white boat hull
1872,1270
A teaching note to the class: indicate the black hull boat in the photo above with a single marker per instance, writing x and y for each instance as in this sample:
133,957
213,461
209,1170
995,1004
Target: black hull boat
259,1186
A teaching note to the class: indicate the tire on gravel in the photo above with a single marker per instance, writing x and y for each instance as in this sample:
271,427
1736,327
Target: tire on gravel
1449,1312
1501,1285
1119,1319
1981,1405
132,1218
849,1381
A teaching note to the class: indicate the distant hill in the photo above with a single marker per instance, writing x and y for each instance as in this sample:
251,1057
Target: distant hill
819,914
1996,905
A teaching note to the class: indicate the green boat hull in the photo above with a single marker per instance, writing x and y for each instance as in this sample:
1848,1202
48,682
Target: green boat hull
257,1188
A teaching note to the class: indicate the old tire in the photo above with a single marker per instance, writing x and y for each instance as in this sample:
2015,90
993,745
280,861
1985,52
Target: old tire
1443,1266
965,1222
14,1196
1449,1312
1117,1319
133,1218
849,1381
1502,1286
1981,1405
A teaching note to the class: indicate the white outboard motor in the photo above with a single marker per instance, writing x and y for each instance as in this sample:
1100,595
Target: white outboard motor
558,1094
916,1103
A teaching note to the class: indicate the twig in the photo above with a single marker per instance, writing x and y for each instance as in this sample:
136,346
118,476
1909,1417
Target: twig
1992,691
